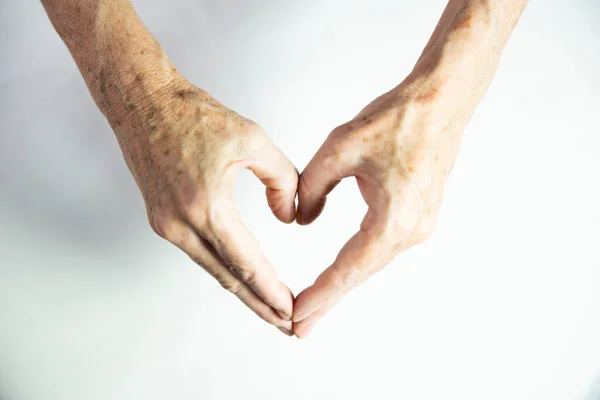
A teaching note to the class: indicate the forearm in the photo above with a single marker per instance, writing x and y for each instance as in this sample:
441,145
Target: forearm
121,62
464,51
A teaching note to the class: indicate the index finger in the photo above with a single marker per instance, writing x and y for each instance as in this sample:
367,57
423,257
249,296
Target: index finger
241,252
367,252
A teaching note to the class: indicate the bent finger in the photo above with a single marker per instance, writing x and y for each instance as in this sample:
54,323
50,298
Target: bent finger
326,169
278,174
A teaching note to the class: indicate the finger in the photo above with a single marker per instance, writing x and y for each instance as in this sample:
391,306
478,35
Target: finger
328,167
278,174
304,327
201,251
263,310
364,254
241,253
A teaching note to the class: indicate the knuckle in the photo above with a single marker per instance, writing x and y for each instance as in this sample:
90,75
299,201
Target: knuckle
421,235
165,226
204,215
245,274
197,215
425,229
248,130
231,285
388,117
343,129
213,221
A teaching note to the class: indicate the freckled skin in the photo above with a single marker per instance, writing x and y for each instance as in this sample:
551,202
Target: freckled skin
183,148
401,149
464,22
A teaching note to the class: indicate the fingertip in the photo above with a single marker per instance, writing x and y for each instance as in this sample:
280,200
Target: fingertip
280,177
286,298
281,321
285,325
285,217
302,306
282,205
304,328
285,331
300,216
306,214
290,216
302,334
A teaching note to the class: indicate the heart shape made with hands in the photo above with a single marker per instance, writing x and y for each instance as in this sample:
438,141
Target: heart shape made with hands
400,173
186,167
183,148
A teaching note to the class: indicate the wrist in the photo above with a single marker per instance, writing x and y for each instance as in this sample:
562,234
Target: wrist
466,46
459,62
469,40
121,62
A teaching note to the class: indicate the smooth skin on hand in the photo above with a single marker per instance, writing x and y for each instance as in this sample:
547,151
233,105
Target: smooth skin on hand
401,149
183,149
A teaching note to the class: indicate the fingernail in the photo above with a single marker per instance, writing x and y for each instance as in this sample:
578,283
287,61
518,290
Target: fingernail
286,331
284,315
299,317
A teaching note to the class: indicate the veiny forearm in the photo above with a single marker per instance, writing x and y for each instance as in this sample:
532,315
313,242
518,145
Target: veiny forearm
464,51
121,62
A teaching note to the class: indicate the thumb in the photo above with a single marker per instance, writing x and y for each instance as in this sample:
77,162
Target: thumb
327,168
280,177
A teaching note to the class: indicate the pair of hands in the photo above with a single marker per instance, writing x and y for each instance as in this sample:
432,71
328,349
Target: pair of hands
184,148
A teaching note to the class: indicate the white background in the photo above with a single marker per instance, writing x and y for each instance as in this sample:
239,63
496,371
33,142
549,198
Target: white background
502,303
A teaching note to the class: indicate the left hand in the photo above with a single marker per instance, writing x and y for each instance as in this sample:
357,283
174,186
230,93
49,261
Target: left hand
400,148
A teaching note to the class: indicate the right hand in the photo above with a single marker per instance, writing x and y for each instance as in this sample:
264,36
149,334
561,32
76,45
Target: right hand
184,148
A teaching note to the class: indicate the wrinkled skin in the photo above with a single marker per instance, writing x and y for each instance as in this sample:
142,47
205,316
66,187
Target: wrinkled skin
184,148
401,151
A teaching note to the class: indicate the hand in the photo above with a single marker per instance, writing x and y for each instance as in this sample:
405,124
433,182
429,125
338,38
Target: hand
400,148
184,148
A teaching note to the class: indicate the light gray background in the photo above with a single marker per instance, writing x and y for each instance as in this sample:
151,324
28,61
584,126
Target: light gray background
503,302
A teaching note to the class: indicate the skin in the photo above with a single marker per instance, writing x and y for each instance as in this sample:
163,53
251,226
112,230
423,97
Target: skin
401,149
183,148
